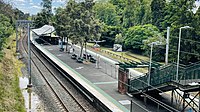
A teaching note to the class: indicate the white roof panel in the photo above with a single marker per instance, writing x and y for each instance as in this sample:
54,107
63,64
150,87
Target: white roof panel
46,29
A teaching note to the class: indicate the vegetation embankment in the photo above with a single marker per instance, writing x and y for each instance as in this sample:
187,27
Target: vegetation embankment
11,99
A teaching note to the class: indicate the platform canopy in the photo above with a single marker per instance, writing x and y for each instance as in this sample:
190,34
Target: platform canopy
46,29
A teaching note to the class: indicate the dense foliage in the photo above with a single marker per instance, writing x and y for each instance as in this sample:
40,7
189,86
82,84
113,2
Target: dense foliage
157,8
107,13
109,33
178,14
11,99
136,35
133,15
130,23
45,16
76,21
8,16
136,12
5,29
12,13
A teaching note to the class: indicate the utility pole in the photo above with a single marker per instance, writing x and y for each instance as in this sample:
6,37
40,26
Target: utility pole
29,57
167,46
179,47
29,47
150,61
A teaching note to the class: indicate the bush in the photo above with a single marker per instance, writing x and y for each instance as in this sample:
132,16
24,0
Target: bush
6,29
109,33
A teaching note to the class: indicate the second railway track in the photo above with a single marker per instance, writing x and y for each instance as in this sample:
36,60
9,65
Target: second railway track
68,101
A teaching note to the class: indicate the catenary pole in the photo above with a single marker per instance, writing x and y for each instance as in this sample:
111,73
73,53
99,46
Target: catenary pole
167,46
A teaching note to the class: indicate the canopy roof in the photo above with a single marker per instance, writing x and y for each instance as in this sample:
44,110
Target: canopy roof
46,29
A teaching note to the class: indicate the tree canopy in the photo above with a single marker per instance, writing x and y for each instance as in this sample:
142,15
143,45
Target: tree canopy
45,16
157,8
139,16
107,13
76,21
130,22
136,35
6,29
8,17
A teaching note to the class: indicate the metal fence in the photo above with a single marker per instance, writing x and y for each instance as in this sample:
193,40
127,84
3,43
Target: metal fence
109,69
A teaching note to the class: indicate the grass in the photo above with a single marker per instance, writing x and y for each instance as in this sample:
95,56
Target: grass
126,54
119,56
11,99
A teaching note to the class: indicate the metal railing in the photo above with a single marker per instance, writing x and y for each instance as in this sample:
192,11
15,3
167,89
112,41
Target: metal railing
167,74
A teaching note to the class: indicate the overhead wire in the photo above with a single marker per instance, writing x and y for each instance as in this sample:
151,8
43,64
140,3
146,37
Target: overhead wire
185,52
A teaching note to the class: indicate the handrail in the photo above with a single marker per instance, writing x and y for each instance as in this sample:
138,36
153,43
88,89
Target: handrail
167,74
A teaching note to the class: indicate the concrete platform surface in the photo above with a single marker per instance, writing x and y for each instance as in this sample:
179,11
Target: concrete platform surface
105,77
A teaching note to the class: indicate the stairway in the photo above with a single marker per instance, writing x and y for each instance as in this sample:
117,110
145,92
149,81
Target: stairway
164,78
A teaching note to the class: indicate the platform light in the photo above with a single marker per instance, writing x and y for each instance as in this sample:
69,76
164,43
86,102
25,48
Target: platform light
179,45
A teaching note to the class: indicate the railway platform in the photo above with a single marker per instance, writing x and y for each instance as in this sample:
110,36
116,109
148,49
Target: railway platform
104,79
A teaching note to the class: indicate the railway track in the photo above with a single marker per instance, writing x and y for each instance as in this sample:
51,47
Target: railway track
72,100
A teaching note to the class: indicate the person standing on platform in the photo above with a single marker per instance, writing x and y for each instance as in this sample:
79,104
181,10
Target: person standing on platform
60,44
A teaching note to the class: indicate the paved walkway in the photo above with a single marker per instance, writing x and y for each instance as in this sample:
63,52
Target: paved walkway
105,77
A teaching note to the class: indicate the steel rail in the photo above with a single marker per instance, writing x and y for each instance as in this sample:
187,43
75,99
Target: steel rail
58,80
23,44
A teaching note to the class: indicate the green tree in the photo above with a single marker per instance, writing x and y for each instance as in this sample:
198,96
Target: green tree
157,8
109,33
6,9
47,6
62,24
135,36
120,4
19,15
196,23
143,13
139,37
40,20
12,13
139,16
82,25
178,14
194,43
45,16
106,12
6,29
128,14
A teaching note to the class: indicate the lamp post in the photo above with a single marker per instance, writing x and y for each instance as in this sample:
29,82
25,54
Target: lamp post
167,46
150,61
179,44
149,77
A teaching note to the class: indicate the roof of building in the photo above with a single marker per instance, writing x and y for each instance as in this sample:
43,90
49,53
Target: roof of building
46,29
